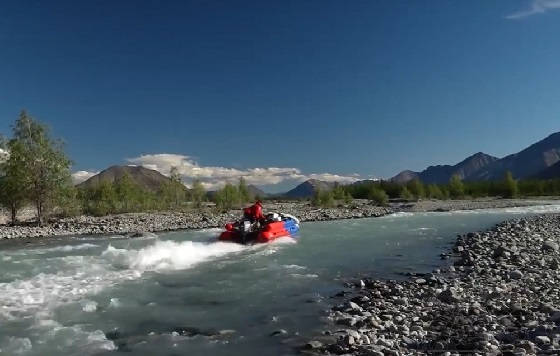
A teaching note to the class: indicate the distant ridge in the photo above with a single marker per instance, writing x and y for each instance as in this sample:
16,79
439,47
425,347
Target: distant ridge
256,192
442,173
405,176
308,188
551,172
526,163
473,164
147,179
540,160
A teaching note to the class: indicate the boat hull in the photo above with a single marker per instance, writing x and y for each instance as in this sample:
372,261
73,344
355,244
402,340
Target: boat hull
269,232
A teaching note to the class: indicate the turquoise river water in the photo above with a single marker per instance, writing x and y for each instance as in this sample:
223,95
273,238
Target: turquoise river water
184,293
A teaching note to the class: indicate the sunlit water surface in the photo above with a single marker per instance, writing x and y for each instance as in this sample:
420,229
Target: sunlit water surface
63,296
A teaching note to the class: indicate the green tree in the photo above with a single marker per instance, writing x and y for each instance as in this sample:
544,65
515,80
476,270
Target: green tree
316,198
327,199
339,193
46,167
227,197
416,188
67,200
173,191
445,192
244,194
406,194
456,187
434,192
13,191
347,198
198,193
323,198
178,188
378,195
126,192
104,199
511,188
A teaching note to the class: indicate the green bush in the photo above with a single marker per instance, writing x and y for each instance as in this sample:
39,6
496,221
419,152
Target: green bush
340,193
67,201
456,187
244,194
416,188
323,199
511,189
378,196
227,198
406,194
434,192
197,194
173,192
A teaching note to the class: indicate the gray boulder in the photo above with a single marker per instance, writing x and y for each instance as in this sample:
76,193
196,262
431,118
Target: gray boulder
448,296
550,246
516,274
313,344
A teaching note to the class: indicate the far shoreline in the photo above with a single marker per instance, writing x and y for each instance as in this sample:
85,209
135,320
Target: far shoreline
136,224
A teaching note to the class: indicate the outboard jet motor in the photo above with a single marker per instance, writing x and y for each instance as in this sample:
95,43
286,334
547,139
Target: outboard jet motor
245,228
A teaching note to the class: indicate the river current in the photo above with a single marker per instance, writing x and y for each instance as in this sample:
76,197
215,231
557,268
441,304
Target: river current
185,293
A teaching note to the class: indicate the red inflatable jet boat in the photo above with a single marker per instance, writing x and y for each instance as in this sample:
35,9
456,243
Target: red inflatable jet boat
275,226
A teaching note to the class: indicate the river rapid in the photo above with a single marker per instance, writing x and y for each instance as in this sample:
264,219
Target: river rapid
183,292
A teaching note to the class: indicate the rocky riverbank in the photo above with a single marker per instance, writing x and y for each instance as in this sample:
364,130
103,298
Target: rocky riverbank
135,223
499,296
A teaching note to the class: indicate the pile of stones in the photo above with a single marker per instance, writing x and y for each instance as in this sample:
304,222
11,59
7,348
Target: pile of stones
501,295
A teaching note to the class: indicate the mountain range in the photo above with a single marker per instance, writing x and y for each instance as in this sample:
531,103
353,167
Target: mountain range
550,173
148,179
540,160
308,188
442,173
254,192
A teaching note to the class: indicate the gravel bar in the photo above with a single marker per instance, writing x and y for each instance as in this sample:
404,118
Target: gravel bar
137,223
500,296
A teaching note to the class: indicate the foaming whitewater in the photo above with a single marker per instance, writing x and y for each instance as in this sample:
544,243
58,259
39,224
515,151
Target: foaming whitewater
40,295
168,255
77,278
400,214
83,275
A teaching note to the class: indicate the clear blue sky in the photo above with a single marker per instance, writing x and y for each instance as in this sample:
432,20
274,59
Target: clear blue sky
367,87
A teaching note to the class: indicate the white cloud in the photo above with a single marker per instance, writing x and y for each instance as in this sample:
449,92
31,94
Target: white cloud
80,176
535,7
329,177
214,177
